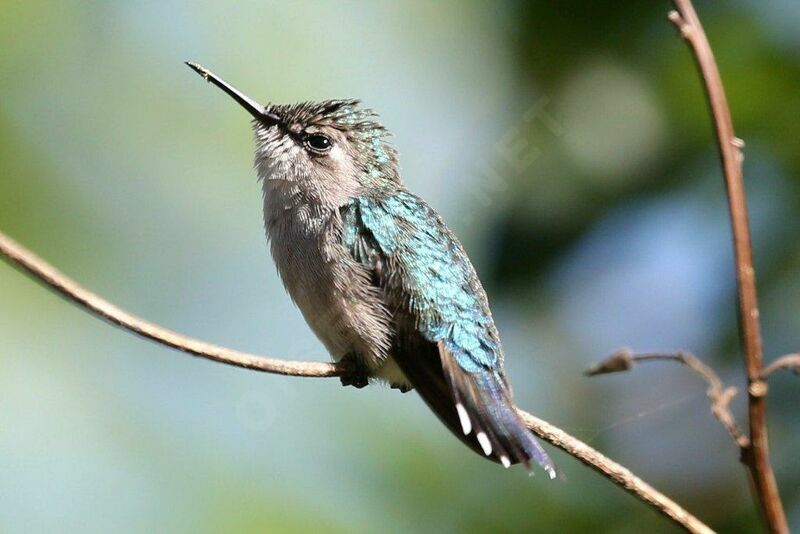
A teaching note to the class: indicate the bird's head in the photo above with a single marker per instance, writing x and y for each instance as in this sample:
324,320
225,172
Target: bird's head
331,147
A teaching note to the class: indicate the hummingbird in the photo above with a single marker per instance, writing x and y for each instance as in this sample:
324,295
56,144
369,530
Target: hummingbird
377,274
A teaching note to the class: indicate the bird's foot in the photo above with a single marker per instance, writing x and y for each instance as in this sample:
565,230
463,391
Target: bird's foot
358,377
404,388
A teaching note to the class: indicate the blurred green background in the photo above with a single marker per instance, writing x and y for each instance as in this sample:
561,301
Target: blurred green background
567,143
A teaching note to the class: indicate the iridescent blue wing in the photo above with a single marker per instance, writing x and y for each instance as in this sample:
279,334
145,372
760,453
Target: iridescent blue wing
445,339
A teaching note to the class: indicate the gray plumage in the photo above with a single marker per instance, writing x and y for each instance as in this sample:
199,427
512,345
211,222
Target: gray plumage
376,273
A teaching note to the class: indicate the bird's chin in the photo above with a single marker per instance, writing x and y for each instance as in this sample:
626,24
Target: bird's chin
274,169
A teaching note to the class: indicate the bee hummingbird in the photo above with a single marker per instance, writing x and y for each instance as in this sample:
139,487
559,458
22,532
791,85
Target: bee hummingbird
376,273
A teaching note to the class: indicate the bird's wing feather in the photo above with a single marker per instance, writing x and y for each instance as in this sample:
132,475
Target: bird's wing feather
445,339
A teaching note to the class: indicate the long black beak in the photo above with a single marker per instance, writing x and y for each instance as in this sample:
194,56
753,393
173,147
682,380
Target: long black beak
254,108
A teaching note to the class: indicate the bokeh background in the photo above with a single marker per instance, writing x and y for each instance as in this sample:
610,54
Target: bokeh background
567,143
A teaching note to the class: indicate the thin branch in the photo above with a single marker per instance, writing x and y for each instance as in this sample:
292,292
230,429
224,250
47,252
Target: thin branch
756,456
103,309
719,395
97,306
622,476
790,361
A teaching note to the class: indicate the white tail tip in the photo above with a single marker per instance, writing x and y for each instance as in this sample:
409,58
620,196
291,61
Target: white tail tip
505,461
483,439
466,424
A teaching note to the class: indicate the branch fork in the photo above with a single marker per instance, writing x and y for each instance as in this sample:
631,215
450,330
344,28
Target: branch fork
719,395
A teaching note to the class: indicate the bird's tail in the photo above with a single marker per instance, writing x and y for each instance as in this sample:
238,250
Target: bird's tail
477,407
486,410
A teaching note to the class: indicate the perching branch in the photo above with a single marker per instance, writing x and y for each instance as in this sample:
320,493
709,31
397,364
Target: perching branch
103,309
620,475
719,395
97,306
756,455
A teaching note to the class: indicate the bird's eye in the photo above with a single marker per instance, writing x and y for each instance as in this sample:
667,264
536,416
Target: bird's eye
319,142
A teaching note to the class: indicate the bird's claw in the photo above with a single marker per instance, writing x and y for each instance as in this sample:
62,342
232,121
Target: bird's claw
404,388
358,377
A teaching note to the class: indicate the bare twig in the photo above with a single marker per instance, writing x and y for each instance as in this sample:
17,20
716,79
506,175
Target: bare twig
103,309
756,456
622,476
719,395
790,361
88,301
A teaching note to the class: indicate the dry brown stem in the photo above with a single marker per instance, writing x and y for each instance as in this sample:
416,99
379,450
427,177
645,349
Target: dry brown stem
99,307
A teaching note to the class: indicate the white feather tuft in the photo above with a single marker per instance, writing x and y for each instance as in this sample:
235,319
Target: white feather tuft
483,439
466,424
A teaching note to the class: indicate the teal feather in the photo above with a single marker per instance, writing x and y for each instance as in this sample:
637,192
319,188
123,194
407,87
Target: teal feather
446,338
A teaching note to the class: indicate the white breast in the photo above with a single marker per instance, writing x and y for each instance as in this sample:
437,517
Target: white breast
335,296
